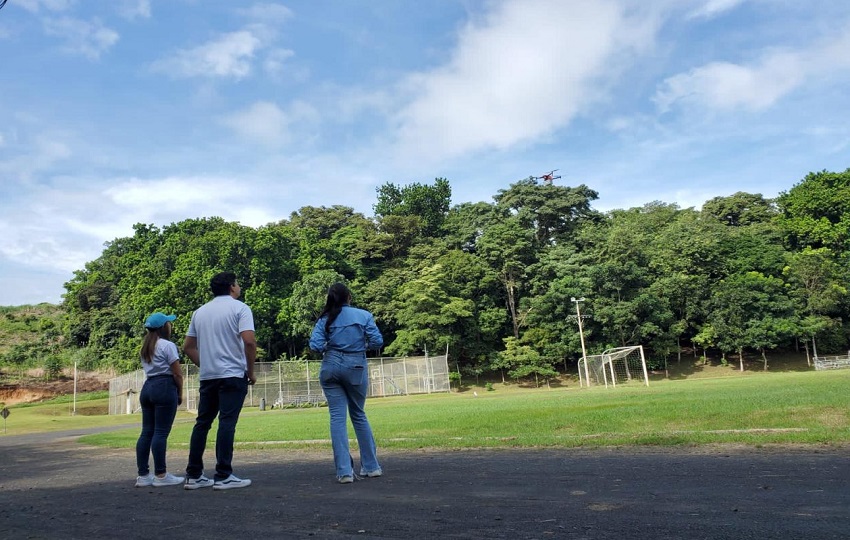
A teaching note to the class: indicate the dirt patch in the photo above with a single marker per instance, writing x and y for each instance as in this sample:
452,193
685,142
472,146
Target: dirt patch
32,390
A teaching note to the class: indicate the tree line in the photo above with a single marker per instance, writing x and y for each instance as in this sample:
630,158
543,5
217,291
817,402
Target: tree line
494,283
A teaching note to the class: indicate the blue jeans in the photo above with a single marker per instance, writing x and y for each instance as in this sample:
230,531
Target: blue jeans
345,381
222,398
158,399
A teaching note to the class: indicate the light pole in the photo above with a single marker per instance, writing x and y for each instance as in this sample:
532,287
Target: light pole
581,336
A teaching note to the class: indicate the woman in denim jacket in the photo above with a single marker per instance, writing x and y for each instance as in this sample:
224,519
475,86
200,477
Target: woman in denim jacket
343,334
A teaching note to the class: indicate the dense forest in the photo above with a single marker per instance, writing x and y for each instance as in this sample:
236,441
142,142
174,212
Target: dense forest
498,284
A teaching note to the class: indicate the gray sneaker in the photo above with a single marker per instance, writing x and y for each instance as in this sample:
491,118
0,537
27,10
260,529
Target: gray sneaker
197,483
373,474
144,481
231,482
167,480
347,479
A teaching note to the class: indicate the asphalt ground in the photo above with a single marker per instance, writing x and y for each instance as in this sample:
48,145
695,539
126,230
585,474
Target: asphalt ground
51,486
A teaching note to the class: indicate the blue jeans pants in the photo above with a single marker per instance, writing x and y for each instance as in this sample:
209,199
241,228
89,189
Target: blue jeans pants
158,399
345,381
222,398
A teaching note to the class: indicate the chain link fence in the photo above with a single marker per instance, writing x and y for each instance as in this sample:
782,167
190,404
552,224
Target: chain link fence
295,383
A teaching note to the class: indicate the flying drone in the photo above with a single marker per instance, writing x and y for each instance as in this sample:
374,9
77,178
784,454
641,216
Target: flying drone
548,177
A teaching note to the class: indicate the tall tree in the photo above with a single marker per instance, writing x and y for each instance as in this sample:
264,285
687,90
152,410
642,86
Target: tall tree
816,211
429,203
552,212
740,209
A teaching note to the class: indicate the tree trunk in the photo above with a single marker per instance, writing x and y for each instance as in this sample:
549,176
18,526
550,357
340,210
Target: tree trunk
808,358
764,357
741,358
509,288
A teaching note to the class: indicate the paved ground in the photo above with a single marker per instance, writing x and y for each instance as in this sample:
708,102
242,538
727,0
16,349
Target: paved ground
53,487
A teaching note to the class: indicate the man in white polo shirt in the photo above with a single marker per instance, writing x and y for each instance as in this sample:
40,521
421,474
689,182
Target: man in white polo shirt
221,342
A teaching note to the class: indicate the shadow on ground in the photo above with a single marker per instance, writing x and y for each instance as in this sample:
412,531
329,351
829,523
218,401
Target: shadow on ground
61,489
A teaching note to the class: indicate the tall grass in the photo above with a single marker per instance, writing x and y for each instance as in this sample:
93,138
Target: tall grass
809,407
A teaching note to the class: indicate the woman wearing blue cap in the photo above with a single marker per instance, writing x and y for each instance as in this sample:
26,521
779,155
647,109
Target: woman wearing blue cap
159,398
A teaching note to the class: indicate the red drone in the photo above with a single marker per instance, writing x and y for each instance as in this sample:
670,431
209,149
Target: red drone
548,177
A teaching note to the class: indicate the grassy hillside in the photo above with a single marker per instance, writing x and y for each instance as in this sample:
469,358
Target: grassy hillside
26,324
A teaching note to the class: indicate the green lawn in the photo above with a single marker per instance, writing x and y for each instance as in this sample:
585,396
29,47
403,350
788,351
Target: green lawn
763,408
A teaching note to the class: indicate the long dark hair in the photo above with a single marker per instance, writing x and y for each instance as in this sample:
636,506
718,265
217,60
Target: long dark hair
338,296
149,344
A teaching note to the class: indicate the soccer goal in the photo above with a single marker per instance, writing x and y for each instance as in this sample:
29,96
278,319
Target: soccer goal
621,365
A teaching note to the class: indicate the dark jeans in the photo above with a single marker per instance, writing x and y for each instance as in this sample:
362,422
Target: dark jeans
158,399
222,398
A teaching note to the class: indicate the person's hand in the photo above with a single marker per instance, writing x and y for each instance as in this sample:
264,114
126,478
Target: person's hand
252,378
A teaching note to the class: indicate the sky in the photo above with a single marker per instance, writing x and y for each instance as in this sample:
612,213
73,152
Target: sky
117,112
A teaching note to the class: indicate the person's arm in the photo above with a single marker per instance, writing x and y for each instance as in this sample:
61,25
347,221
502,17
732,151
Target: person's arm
177,373
318,339
190,349
250,341
374,339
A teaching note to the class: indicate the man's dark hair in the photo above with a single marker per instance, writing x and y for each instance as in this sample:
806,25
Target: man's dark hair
221,282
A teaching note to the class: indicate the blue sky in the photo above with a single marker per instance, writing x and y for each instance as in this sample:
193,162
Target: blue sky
115,112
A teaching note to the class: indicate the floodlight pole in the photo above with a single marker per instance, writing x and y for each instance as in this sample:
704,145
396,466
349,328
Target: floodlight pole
581,336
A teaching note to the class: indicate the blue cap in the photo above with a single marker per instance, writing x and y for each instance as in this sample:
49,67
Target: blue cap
158,320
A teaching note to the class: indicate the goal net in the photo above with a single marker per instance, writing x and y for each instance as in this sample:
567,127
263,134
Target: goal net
621,365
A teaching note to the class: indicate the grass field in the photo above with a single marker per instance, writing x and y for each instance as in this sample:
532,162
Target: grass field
765,408
797,408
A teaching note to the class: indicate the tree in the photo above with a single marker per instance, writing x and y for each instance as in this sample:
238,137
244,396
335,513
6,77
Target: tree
429,203
816,283
740,209
552,212
428,314
507,247
523,360
750,310
301,310
816,211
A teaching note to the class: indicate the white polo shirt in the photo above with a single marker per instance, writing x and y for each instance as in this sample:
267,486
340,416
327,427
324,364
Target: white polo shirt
217,326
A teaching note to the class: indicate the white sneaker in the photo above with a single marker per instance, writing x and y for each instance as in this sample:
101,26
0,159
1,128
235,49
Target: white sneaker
347,479
374,474
231,482
197,483
167,480
144,481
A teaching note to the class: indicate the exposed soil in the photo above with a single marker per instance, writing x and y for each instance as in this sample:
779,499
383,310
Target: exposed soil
33,389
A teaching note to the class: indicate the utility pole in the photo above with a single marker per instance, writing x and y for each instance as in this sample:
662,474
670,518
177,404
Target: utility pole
581,336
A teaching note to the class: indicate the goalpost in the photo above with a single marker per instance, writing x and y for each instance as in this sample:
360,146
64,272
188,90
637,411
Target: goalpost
620,365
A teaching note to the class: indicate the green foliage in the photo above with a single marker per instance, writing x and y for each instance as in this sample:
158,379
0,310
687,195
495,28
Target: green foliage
492,282
429,204
816,211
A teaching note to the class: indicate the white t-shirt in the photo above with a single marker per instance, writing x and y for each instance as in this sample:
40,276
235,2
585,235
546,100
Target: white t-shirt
165,353
218,325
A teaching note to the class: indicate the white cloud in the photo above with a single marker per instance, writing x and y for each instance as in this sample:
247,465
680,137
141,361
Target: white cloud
759,85
35,6
713,8
525,70
267,123
275,59
89,39
723,85
268,13
131,9
263,121
229,56
39,155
